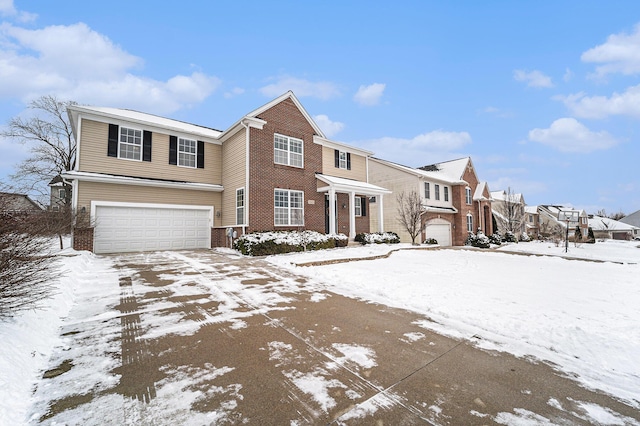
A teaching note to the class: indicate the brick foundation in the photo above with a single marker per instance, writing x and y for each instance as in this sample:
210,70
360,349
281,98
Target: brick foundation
83,239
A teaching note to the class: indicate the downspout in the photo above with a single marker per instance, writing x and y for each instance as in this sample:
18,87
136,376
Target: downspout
246,177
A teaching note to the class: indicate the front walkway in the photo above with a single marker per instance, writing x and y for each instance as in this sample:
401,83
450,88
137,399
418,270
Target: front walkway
205,338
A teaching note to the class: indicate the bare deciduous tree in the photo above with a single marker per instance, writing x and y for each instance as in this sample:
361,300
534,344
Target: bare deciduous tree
511,211
409,212
53,149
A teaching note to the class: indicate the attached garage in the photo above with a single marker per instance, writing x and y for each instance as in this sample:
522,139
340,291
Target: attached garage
440,230
126,227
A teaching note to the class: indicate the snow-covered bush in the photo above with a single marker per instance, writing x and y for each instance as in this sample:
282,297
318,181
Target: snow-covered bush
477,240
266,243
377,238
509,237
495,239
430,241
525,237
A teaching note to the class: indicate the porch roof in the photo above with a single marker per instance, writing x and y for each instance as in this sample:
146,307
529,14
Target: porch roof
349,185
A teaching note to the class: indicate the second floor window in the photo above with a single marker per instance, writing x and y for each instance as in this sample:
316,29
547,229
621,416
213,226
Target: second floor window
427,190
287,151
468,195
187,150
130,145
530,218
446,193
437,191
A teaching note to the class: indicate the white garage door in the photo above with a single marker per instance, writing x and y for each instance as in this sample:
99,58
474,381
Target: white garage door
441,232
137,228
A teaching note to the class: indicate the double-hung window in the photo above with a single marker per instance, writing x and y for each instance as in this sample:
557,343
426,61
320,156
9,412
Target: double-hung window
427,190
469,223
288,207
437,191
342,160
446,193
468,195
187,151
358,206
287,151
240,206
130,144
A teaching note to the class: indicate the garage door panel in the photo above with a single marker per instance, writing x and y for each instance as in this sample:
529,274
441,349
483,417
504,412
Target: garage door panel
440,232
126,229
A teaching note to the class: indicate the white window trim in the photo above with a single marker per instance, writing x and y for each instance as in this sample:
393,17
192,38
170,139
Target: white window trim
467,195
240,207
288,150
436,190
120,143
358,206
445,189
194,154
289,208
427,190
469,222
342,160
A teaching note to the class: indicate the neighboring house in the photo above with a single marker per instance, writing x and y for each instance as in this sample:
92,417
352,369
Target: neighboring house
152,183
604,227
57,193
11,203
634,220
454,201
552,220
509,210
532,221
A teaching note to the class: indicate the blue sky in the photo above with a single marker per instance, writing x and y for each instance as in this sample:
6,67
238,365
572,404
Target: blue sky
544,96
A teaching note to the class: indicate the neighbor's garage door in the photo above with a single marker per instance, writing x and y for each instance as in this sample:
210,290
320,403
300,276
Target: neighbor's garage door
128,229
441,232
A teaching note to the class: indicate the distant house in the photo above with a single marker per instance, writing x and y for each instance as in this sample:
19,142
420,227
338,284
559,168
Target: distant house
17,203
604,227
634,220
57,193
509,211
454,201
553,219
532,221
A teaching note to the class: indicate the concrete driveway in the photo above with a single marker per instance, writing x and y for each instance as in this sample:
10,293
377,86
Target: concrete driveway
200,337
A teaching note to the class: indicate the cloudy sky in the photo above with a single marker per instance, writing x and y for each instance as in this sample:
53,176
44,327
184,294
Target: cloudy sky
544,96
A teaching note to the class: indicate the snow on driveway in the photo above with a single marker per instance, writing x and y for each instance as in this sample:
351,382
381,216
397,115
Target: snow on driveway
582,316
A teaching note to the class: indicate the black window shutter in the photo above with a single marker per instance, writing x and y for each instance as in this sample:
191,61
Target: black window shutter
173,150
363,205
112,146
337,156
348,161
146,145
200,155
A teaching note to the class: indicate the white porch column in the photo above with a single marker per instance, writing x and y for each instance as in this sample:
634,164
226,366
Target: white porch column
380,213
332,211
352,215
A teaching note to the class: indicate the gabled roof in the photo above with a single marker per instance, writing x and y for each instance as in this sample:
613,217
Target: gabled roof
479,193
502,196
598,223
632,219
453,169
531,209
350,185
17,202
421,173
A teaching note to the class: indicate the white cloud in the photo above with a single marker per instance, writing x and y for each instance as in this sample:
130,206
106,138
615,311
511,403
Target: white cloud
496,112
302,88
7,9
568,75
330,128
569,135
236,91
75,62
369,95
619,54
627,103
533,79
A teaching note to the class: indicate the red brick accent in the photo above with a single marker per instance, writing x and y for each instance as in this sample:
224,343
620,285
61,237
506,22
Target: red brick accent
219,236
83,239
458,198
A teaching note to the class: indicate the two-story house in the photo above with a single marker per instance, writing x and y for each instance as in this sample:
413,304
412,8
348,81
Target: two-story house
144,182
554,220
454,202
509,211
532,221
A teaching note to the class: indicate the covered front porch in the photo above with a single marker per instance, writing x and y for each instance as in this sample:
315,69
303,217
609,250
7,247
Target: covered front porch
355,205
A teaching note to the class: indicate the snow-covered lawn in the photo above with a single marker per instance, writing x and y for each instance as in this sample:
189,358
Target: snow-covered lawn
582,316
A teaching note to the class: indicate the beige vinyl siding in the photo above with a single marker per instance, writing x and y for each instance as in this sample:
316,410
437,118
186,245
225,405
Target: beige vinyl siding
396,181
358,166
93,191
234,167
93,158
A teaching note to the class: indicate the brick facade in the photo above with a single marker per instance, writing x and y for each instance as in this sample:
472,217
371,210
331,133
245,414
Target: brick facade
83,239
